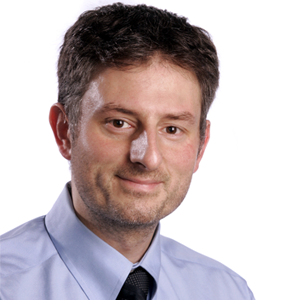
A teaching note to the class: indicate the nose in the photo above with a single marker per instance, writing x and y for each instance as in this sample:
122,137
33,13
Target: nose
145,151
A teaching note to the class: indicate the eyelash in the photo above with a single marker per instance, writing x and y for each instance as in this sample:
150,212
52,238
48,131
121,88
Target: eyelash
118,120
177,130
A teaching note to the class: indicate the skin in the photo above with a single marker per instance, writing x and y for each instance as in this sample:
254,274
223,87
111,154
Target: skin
136,151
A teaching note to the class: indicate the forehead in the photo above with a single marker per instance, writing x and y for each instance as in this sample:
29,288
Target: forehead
158,86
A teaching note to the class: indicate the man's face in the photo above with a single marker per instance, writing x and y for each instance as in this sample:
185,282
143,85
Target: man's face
138,144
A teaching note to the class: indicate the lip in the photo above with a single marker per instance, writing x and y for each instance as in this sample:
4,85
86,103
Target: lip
139,184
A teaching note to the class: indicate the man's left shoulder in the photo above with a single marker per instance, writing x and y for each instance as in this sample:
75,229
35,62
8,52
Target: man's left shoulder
205,273
181,252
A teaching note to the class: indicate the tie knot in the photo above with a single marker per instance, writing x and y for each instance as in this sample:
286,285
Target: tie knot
136,286
139,277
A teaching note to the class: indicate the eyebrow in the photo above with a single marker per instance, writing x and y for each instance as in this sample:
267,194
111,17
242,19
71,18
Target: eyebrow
110,106
182,116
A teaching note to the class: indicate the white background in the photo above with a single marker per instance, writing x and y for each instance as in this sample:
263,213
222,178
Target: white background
242,208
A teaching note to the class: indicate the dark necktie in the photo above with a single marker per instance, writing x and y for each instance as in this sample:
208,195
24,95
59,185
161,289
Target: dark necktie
136,286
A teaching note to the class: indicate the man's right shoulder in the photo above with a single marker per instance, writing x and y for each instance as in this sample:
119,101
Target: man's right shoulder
25,247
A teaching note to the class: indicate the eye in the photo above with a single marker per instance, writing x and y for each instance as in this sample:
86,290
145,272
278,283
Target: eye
172,130
120,124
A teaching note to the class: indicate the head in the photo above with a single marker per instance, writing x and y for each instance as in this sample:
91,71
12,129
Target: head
135,86
120,36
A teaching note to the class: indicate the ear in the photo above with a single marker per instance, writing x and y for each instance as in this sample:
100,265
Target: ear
203,147
60,126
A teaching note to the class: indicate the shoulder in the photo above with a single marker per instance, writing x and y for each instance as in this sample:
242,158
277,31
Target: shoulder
203,273
177,251
189,260
25,247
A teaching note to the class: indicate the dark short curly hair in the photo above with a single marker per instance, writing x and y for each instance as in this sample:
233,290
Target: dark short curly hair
118,36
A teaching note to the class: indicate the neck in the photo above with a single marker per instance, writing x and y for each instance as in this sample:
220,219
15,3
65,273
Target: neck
131,241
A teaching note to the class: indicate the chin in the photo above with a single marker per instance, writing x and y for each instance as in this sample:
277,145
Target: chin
136,215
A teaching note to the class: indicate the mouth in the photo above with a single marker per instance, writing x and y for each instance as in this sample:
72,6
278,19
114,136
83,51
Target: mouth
142,185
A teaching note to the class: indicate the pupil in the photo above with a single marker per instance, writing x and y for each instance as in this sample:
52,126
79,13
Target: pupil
118,123
171,129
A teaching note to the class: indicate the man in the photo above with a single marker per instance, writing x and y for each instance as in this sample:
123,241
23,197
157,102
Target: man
135,86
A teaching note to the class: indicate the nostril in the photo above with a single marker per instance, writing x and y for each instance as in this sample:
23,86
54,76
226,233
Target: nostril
140,164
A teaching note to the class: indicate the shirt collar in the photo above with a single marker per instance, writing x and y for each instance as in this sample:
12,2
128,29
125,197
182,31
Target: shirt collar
98,268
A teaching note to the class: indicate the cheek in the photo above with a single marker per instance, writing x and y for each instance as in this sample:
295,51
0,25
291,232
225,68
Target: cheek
183,157
100,148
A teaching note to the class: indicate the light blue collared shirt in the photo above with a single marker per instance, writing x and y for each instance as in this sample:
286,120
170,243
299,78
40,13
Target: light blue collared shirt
57,258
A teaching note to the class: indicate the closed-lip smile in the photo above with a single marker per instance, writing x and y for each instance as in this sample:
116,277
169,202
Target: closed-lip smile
141,181
139,184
